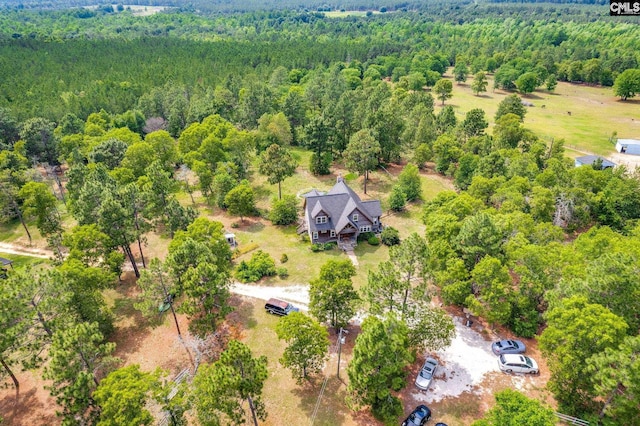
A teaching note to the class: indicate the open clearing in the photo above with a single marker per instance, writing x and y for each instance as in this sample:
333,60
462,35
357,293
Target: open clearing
584,116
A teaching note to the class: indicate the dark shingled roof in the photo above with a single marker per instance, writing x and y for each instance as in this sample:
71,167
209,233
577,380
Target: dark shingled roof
5,262
338,204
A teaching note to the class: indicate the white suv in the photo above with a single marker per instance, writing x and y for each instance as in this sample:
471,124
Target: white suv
516,363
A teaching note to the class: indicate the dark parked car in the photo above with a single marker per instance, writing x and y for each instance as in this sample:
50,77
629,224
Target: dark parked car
508,347
279,307
418,417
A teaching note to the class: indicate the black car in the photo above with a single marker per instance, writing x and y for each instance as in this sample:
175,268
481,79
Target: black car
418,417
279,307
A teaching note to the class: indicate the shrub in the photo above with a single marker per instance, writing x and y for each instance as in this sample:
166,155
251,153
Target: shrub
284,258
283,273
374,241
235,225
397,199
409,182
365,236
390,236
244,249
323,246
260,265
319,165
285,211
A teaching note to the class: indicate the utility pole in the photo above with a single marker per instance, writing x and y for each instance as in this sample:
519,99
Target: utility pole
341,341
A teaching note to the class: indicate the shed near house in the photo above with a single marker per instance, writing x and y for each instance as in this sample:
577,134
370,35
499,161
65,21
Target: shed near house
3,264
590,160
231,239
628,146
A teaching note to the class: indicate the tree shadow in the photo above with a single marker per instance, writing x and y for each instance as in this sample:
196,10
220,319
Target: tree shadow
253,226
20,411
331,409
130,324
532,96
242,317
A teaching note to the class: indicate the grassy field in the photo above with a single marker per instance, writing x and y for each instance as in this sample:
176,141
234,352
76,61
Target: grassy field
584,116
286,401
345,13
304,264
20,261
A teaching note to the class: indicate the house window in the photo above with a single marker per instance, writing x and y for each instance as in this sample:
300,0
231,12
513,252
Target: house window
365,228
375,220
333,233
315,235
321,219
355,217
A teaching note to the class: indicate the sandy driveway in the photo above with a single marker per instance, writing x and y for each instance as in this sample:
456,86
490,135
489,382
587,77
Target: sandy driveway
467,365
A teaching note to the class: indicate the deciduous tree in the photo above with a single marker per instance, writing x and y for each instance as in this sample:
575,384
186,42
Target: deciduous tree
443,89
479,83
221,388
627,84
332,296
378,367
577,330
361,154
240,201
307,341
616,377
513,408
277,164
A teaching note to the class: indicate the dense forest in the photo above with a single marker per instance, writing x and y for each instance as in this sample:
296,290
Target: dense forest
103,113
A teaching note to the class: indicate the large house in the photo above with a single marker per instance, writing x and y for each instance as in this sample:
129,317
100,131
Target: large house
339,216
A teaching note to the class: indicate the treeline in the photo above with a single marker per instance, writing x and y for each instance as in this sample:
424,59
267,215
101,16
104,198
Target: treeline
110,63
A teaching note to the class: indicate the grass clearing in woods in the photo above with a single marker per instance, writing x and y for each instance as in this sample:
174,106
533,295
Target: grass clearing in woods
584,116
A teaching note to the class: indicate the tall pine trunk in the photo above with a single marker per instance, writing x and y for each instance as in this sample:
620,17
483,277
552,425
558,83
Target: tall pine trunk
16,208
13,377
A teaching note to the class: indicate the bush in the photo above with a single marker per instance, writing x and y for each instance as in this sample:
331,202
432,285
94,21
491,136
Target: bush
319,165
235,225
283,273
374,241
365,236
322,247
397,199
285,211
284,258
260,265
390,236
409,182
244,249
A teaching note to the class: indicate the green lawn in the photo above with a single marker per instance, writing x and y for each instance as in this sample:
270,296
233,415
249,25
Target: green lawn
304,264
594,113
20,261
288,403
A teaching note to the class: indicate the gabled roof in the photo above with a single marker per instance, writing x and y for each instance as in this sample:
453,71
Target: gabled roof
5,262
313,193
588,160
339,203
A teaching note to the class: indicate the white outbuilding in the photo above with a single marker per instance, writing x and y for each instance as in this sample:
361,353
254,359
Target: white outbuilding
628,146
